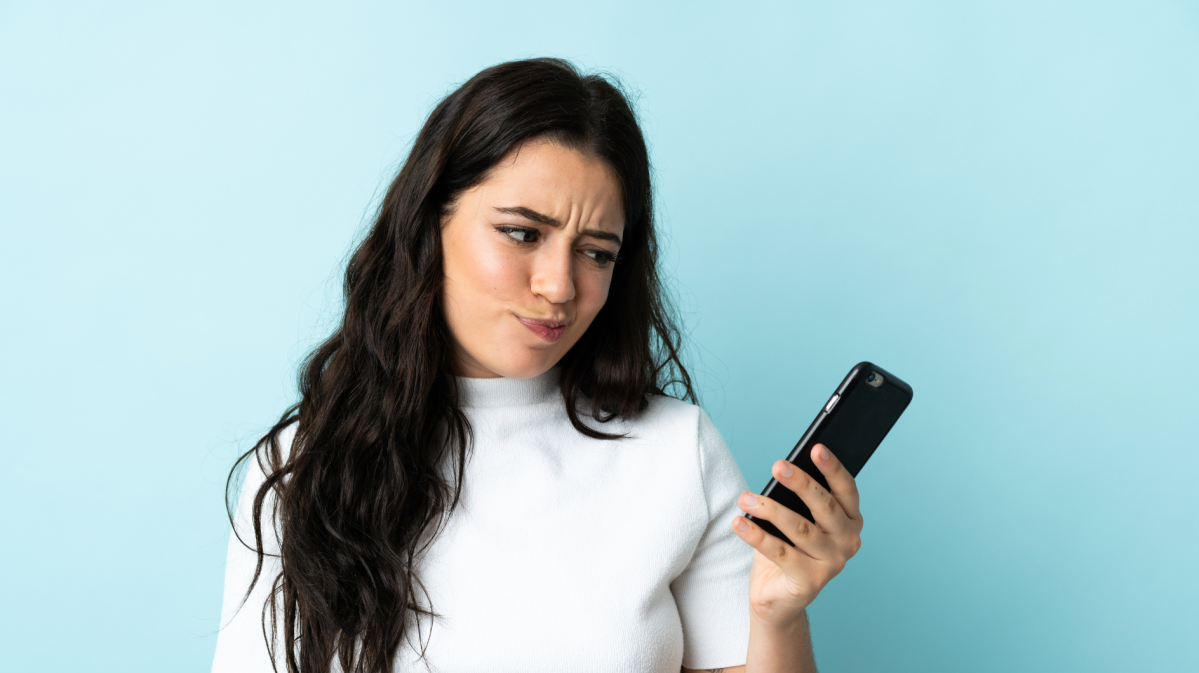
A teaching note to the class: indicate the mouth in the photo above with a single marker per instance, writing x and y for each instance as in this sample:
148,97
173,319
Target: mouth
547,330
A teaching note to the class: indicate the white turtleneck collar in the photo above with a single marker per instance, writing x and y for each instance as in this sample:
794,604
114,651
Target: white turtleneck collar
506,392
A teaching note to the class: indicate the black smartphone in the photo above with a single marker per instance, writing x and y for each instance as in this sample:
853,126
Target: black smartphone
852,424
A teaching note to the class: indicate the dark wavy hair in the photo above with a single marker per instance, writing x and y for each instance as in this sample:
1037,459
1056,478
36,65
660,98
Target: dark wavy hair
364,488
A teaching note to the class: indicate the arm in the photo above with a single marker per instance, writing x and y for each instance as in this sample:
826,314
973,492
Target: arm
773,648
786,647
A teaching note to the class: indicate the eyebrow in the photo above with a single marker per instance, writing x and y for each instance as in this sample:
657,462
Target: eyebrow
530,214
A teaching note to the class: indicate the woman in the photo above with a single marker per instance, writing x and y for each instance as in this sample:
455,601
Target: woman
485,471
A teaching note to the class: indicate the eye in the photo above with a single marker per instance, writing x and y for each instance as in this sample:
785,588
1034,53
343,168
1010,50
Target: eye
601,258
519,234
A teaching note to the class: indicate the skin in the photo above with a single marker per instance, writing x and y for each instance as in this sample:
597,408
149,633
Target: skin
535,240
502,264
785,579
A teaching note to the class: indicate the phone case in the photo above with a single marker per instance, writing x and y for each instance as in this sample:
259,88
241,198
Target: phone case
852,424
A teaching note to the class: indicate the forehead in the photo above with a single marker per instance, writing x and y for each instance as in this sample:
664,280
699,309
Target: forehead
557,181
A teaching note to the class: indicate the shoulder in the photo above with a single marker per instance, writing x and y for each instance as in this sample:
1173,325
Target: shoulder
669,413
270,453
665,423
682,421
687,428
260,462
690,427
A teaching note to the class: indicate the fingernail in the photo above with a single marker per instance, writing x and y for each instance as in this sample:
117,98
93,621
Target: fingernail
821,453
786,470
748,500
741,524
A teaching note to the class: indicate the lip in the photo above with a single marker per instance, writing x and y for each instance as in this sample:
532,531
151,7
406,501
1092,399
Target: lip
547,330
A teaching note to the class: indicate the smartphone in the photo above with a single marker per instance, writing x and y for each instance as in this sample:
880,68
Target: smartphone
852,424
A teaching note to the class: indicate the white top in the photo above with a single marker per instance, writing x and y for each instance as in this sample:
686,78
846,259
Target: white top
566,553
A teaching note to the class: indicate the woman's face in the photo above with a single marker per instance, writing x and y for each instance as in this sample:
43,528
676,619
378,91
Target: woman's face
528,259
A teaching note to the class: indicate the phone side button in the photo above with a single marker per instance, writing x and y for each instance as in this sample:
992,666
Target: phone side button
831,403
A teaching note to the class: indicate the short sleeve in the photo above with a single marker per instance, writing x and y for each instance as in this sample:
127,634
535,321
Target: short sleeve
712,593
241,645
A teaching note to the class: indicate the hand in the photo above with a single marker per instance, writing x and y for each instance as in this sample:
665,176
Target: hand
785,579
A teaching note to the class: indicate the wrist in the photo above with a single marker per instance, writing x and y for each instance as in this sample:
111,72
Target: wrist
780,625
780,614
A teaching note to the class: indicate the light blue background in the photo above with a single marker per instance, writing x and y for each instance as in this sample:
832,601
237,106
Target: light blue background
998,201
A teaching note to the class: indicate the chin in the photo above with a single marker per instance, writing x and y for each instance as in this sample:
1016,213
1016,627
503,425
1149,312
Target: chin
519,361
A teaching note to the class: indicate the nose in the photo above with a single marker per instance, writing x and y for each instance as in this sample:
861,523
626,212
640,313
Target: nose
553,277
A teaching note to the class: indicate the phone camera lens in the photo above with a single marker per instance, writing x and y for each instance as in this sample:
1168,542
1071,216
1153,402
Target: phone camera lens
870,379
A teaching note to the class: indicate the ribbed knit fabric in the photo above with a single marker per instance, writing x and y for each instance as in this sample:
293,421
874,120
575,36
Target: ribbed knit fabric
566,553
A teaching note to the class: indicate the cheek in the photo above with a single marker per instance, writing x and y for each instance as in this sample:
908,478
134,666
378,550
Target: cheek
480,275
592,290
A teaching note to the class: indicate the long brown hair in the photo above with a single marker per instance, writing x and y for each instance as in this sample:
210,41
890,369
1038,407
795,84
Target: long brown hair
363,489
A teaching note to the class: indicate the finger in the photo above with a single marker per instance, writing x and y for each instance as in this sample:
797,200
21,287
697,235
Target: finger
842,483
789,559
806,536
826,511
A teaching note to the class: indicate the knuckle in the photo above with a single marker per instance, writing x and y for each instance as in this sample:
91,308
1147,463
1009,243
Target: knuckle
780,550
803,528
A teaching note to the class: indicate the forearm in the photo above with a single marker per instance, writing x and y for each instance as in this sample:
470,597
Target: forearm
780,648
